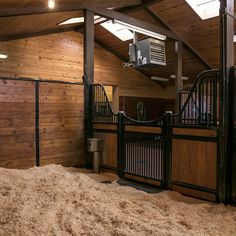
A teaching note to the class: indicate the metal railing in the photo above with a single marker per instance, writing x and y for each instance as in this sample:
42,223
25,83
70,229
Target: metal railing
144,155
101,110
201,108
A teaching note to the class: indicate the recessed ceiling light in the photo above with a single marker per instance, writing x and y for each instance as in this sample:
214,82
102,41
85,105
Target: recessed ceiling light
118,30
3,56
76,20
205,8
51,4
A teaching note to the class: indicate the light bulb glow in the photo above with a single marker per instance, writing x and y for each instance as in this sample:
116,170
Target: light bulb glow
51,4
3,56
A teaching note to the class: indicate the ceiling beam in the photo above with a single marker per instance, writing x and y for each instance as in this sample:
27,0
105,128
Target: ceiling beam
168,26
133,21
79,5
35,34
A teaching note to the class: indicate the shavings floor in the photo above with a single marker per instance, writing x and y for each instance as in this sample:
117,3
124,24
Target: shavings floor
54,200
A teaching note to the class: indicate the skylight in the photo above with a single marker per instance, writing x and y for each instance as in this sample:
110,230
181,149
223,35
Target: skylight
118,30
76,20
205,8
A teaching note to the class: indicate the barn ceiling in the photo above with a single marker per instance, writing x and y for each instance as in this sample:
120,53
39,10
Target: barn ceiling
27,18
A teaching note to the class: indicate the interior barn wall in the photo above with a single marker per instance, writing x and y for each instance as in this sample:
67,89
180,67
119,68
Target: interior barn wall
61,124
17,127
60,57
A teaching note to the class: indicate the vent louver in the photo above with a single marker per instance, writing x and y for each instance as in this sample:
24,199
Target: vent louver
148,53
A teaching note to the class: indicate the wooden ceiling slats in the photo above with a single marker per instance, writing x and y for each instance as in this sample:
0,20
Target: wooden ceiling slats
200,37
29,7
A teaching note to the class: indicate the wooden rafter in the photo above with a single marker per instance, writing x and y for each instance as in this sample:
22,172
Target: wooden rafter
79,5
133,21
167,25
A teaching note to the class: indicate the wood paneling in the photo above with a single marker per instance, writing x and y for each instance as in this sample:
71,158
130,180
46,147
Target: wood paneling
61,124
105,126
60,57
143,129
29,25
202,35
109,154
194,162
195,132
195,193
17,123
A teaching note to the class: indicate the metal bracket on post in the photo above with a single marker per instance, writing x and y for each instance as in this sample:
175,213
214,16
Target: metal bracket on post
120,144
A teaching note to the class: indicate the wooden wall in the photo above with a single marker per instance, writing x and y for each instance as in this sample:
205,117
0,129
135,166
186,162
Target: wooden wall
61,124
194,162
60,57
17,124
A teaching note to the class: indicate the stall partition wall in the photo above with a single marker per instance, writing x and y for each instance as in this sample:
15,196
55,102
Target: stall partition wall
41,122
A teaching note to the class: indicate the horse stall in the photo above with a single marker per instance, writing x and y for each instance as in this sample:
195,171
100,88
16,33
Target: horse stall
117,117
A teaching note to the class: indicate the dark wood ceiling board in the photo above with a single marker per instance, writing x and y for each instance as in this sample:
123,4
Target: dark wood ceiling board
203,36
143,15
30,25
29,7
186,44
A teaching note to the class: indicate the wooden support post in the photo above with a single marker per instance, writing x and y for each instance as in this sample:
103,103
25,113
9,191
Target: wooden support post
88,76
89,45
178,73
226,62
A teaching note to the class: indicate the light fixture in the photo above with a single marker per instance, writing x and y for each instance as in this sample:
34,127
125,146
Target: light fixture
51,4
76,20
118,30
183,77
3,55
205,8
234,38
141,30
159,79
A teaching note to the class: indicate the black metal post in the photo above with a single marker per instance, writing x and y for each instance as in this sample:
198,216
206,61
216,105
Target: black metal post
120,144
166,130
226,62
37,134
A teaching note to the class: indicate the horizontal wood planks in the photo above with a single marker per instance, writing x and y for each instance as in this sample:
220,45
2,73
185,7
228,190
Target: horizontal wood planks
195,132
143,129
17,124
60,118
194,162
61,124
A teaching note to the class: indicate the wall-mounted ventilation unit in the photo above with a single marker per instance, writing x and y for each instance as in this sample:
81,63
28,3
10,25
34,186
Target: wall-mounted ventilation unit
147,53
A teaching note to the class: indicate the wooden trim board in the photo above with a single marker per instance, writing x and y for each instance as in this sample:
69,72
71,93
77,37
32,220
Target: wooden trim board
195,132
143,129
